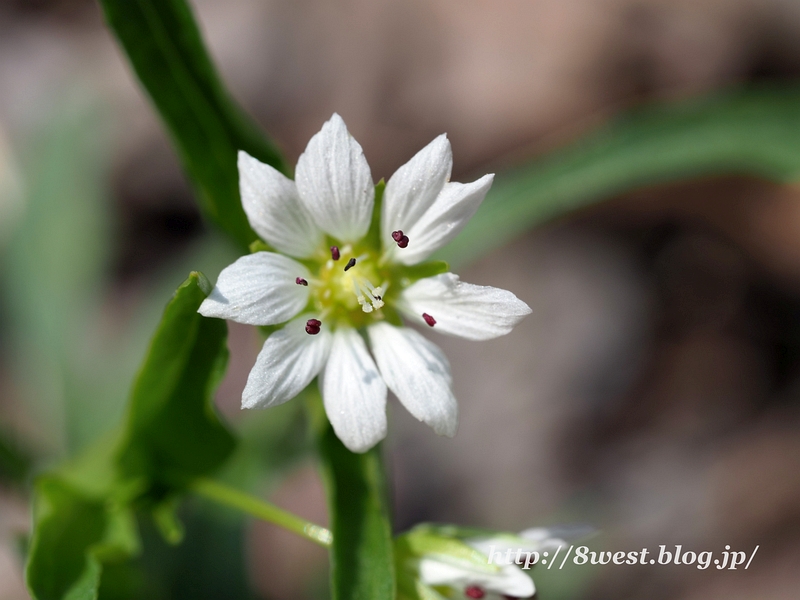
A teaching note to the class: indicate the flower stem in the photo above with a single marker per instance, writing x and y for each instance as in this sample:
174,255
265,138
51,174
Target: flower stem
222,494
362,554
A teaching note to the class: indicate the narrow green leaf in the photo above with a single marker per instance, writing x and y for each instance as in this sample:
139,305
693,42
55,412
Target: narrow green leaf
59,250
362,560
166,50
172,432
754,131
74,535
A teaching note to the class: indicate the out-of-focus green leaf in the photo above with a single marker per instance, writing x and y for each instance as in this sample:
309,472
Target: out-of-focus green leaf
74,536
165,48
362,559
57,253
172,433
210,564
753,131
71,368
84,510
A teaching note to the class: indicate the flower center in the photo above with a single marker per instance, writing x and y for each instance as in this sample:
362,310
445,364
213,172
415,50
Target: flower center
349,283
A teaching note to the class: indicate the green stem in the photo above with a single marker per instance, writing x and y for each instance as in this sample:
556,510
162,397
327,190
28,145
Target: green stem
362,553
222,494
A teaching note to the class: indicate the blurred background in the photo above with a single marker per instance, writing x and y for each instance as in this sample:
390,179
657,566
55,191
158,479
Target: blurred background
652,393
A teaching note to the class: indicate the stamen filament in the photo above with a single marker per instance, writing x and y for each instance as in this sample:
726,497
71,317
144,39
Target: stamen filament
369,297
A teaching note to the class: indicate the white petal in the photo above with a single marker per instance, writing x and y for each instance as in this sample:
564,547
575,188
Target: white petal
274,210
417,371
475,312
496,547
510,580
335,183
414,187
287,363
454,206
258,289
354,393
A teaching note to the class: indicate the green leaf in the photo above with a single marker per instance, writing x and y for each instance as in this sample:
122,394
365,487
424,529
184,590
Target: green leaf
83,518
362,560
59,250
165,48
74,536
172,433
753,131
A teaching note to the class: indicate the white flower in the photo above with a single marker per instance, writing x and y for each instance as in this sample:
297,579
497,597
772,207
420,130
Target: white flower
461,581
501,572
340,276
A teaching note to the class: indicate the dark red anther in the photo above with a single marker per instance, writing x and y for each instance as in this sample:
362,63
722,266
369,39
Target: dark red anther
429,319
474,591
401,238
300,281
312,326
350,264
335,252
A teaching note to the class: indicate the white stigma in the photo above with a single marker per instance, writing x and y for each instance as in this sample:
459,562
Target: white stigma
369,297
